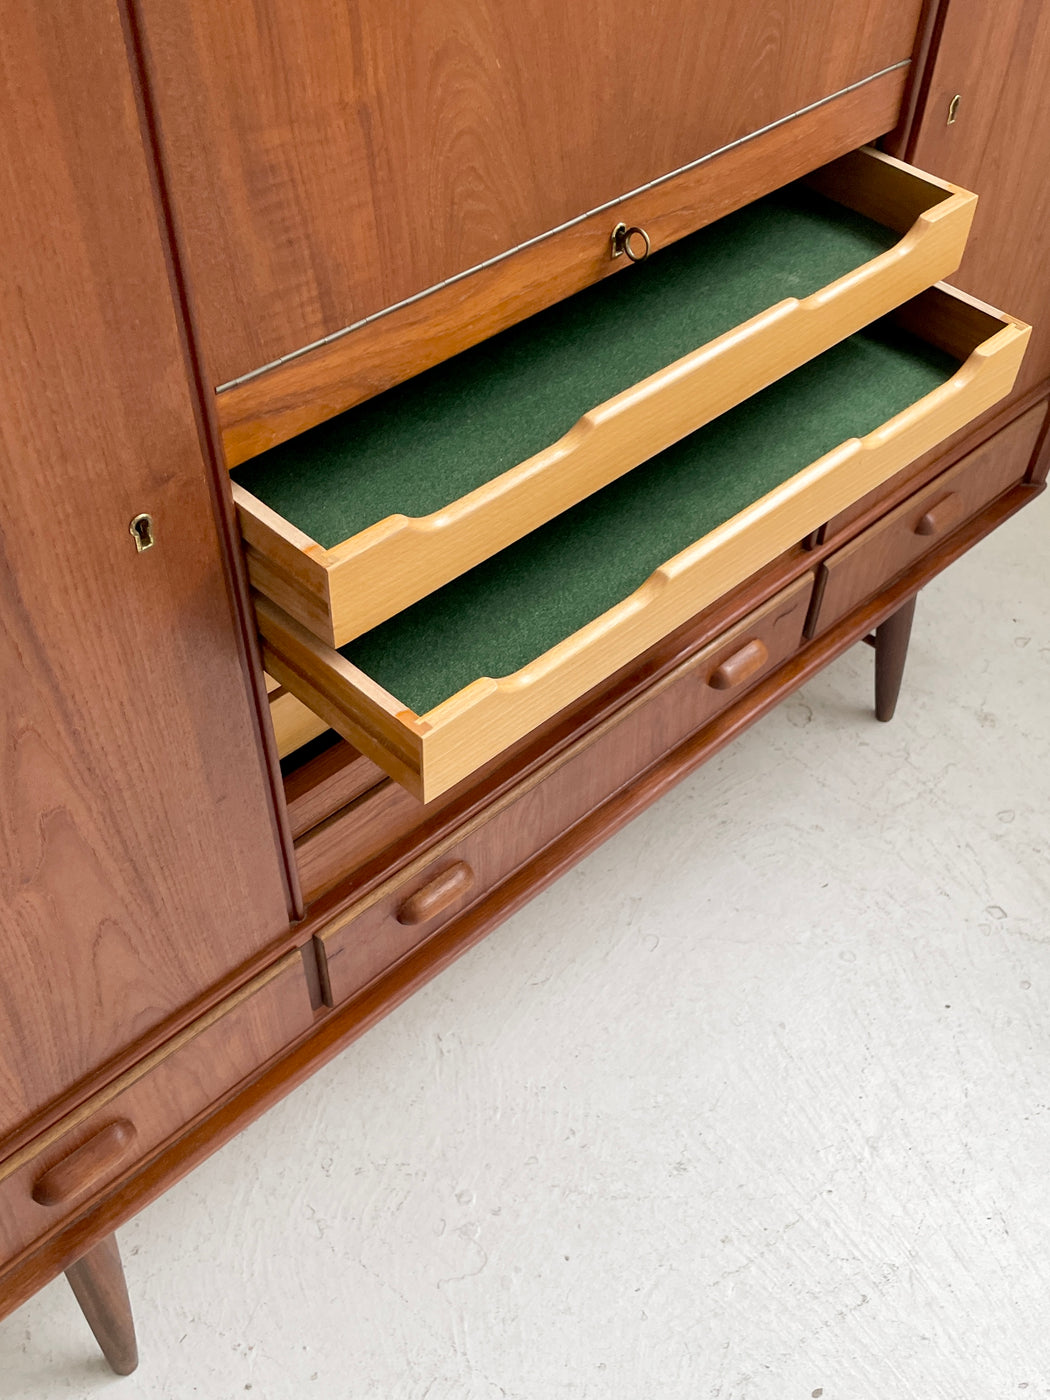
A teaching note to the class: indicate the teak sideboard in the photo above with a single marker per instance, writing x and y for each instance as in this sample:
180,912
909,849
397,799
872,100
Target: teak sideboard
429,431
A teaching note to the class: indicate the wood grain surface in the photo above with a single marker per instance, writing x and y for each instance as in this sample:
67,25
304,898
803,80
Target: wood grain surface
341,592
380,817
293,724
347,817
91,702
297,393
327,781
924,468
996,58
345,1024
138,865
431,753
109,1136
328,161
891,653
97,1281
373,934
870,560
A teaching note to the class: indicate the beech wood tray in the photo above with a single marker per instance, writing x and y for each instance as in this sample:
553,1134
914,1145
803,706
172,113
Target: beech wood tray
431,749
343,589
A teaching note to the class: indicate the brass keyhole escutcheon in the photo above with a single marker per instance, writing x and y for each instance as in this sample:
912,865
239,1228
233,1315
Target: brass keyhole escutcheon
633,241
141,531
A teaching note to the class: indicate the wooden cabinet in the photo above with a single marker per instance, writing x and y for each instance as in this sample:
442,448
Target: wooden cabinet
330,161
985,122
226,224
869,562
123,1125
139,861
400,915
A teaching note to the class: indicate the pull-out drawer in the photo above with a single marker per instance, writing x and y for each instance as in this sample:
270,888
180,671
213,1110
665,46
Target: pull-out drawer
445,686
397,916
867,563
293,724
85,1154
360,518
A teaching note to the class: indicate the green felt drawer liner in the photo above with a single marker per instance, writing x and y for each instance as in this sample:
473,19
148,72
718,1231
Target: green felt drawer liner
523,601
425,443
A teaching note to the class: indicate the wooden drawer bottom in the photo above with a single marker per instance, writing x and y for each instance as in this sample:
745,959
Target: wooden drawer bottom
402,913
65,1170
870,561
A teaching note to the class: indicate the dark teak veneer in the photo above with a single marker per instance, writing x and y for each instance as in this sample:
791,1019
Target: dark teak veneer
197,268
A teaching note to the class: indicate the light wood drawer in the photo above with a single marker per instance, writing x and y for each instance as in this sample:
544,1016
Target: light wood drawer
385,550
405,911
293,723
430,744
60,1173
862,567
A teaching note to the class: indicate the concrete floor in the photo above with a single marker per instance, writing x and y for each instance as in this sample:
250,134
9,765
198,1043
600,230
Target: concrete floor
753,1104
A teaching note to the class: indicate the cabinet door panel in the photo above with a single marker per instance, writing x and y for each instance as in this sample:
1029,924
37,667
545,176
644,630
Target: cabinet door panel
138,862
329,160
996,59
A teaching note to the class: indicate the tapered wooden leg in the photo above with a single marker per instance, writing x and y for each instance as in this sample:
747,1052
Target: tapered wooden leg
891,652
97,1281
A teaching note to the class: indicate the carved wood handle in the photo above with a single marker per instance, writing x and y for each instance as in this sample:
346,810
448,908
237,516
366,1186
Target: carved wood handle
739,667
437,894
940,516
87,1165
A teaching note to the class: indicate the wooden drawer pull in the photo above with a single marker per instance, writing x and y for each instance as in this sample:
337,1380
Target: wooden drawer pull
939,517
437,894
741,666
87,1166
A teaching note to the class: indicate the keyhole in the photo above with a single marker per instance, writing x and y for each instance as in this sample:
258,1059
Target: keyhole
142,532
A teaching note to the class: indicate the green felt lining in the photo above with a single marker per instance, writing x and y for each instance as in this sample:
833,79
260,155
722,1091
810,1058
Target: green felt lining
520,603
425,443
